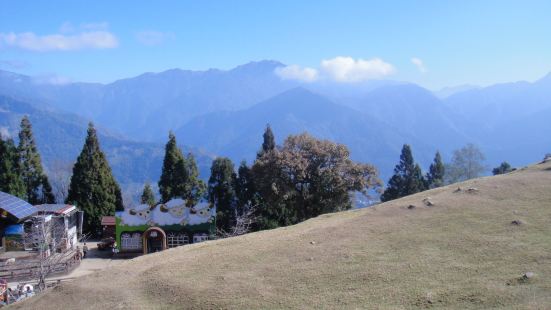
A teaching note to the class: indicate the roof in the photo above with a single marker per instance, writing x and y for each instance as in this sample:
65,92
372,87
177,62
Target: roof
55,208
108,221
17,207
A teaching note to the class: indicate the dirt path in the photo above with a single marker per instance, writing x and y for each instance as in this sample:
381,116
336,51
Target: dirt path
95,260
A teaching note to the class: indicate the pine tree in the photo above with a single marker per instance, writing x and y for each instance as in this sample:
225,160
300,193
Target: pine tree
407,179
268,143
180,176
38,189
221,192
435,176
244,188
194,188
148,197
170,176
93,188
10,175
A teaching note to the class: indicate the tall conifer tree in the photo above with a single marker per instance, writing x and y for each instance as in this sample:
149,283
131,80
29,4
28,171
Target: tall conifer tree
180,176
194,188
37,187
148,197
221,192
244,188
435,176
268,143
10,174
174,170
407,178
93,188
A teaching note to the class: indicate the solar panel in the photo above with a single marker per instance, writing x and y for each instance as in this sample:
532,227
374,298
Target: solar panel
15,206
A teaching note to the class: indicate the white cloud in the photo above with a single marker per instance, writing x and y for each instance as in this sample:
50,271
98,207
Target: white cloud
348,69
340,69
294,72
419,64
68,27
89,36
152,38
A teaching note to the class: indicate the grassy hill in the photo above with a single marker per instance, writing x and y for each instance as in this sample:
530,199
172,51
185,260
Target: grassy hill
463,252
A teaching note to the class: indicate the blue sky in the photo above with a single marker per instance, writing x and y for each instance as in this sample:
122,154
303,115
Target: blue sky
432,43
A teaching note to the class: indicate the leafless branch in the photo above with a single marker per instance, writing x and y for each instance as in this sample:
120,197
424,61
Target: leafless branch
243,223
48,237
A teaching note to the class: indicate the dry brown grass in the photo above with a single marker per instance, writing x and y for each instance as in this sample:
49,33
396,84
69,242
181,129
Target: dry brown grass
461,253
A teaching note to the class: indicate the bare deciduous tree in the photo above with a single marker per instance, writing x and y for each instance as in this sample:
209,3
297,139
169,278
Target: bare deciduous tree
467,163
59,173
243,223
48,236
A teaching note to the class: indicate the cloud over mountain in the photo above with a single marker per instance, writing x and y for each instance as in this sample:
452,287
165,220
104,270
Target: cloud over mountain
90,36
339,69
295,72
419,64
348,69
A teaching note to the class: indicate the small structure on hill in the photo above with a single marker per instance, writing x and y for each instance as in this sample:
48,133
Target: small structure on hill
64,223
147,229
37,240
108,224
60,224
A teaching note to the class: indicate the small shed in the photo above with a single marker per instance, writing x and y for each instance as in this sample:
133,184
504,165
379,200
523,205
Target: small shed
64,218
109,224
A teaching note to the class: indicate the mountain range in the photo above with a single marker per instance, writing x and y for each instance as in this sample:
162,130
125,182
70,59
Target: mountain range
60,137
224,112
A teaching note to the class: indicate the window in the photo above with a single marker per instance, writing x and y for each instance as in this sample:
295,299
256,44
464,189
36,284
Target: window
131,241
175,240
200,238
72,220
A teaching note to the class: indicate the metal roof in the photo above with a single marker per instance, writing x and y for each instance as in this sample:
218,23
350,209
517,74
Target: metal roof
108,221
55,208
17,207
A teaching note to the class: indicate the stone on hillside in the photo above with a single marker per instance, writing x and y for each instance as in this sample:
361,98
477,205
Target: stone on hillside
312,242
411,207
428,202
525,278
517,222
529,275
457,190
472,190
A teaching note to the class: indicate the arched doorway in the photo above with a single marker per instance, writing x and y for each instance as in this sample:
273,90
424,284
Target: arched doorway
154,240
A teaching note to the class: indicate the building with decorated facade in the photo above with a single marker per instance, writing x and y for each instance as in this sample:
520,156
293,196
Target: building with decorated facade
148,229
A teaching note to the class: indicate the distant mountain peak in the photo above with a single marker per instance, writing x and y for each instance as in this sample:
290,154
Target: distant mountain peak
258,66
299,92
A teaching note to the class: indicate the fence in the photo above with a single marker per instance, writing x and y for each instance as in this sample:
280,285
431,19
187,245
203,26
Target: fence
30,269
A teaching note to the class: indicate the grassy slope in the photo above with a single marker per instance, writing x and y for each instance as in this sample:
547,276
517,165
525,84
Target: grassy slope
460,253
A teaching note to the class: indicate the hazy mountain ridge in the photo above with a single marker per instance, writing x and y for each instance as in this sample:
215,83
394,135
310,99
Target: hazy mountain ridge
224,112
239,134
146,107
60,137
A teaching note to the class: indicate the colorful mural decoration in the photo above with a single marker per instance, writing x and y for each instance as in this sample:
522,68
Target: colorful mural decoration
174,222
